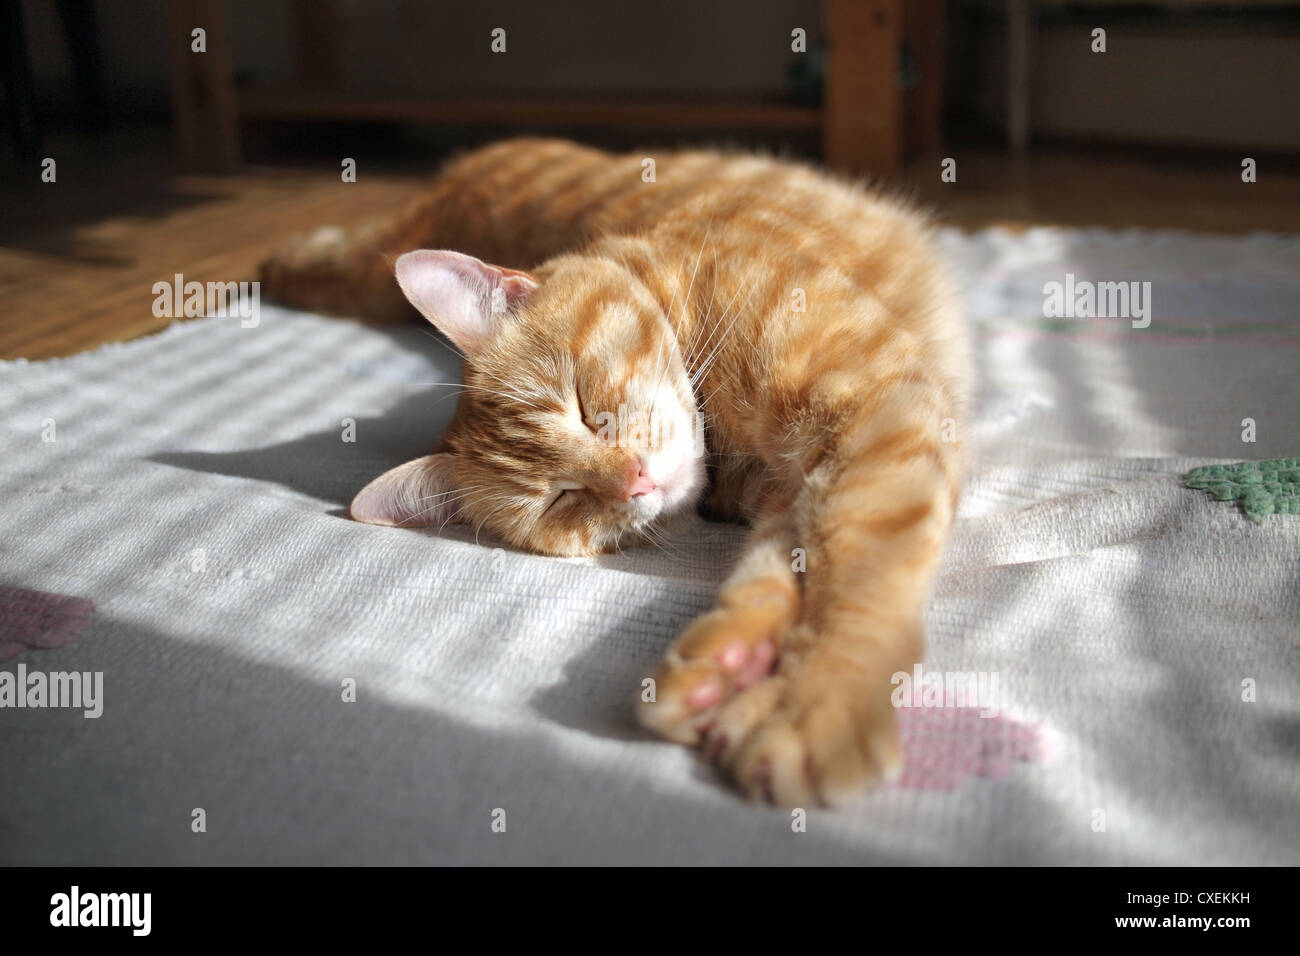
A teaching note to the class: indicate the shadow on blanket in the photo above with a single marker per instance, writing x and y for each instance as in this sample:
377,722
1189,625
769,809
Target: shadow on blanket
287,773
322,464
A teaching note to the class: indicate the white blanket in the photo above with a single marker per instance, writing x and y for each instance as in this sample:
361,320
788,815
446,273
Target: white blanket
184,531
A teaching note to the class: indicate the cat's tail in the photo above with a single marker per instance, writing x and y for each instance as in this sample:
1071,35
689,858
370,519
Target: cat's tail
345,272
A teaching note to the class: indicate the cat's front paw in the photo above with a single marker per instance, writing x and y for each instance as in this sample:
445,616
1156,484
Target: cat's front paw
716,658
826,750
821,730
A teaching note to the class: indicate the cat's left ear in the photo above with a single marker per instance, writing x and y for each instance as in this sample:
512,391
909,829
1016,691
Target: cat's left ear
416,494
465,298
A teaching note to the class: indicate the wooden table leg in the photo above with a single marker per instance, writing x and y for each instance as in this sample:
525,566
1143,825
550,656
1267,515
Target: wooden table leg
16,77
203,87
862,128
923,35
1018,30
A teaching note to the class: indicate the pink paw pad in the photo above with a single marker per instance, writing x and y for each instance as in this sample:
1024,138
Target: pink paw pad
734,656
38,620
945,746
704,696
759,665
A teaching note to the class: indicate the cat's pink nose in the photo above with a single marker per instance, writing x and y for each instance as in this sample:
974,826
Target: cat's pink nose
639,482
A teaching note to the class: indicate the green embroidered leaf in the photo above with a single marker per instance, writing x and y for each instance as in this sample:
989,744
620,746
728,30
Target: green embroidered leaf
1263,487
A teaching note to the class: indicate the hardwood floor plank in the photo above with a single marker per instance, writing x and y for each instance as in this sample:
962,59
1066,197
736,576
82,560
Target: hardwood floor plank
76,286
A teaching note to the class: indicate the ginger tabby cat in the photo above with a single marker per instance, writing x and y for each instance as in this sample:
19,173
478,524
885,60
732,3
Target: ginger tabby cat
803,326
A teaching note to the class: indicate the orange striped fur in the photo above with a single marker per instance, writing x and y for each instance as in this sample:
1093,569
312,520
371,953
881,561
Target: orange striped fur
803,323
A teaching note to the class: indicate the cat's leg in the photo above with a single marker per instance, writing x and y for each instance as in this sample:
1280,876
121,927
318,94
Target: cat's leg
735,645
348,272
873,517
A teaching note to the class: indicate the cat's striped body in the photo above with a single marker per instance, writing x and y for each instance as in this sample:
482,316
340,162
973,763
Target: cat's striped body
809,323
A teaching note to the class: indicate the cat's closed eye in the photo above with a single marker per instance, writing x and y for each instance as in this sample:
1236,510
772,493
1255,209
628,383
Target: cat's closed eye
563,491
582,410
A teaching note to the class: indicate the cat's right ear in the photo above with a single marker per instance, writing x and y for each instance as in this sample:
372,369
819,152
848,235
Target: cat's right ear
416,494
465,298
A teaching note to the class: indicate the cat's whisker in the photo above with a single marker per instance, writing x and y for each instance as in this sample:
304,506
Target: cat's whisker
686,299
685,303
664,545
718,325
496,378
433,507
484,371
490,515
717,388
716,351
713,286
490,391
467,494
451,517
489,496
649,539
453,491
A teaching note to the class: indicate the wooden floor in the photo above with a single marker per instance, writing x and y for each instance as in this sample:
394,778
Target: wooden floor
66,293
78,263
1112,188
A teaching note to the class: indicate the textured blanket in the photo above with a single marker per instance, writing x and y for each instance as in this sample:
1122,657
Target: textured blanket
278,684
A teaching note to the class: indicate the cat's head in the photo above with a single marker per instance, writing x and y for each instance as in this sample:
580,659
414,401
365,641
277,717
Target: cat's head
576,430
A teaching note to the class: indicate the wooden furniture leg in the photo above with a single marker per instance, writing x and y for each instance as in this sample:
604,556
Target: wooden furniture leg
1018,30
862,123
16,79
923,36
203,87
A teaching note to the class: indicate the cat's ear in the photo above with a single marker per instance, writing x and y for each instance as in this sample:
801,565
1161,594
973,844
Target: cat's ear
465,298
412,495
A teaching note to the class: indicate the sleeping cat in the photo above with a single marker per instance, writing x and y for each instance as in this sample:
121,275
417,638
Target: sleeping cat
708,329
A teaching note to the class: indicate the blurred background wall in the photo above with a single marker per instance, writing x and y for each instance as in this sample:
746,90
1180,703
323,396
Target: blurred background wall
1218,74
402,47
1185,74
